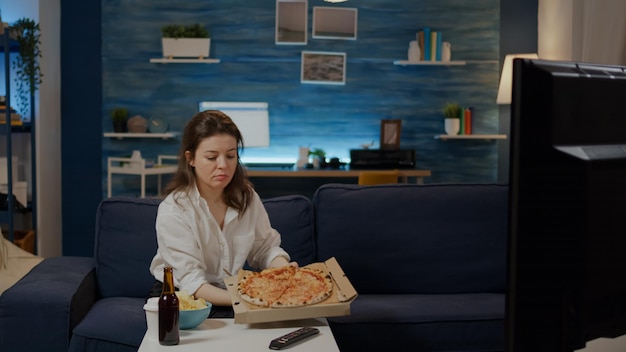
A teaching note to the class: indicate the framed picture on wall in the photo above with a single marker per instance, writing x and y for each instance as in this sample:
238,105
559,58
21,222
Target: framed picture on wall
334,22
323,67
390,131
291,22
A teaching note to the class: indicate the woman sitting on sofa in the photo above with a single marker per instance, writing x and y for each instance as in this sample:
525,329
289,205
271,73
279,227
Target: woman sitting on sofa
212,221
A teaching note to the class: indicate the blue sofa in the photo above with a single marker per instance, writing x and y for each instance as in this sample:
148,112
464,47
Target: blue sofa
428,262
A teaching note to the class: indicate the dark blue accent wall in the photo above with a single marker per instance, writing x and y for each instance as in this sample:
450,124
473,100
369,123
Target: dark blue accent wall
334,118
110,67
81,130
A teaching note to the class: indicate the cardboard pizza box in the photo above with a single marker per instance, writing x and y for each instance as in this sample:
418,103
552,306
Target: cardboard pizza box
338,304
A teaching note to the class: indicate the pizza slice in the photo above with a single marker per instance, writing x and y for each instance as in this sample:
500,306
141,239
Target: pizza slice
265,287
306,287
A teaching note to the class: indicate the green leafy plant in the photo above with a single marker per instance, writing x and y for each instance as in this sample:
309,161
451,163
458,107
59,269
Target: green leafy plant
320,153
451,110
26,65
119,114
195,30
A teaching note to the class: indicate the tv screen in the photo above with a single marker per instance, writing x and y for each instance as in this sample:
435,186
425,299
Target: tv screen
567,205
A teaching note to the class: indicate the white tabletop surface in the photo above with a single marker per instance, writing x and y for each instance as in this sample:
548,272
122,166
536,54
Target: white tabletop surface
224,335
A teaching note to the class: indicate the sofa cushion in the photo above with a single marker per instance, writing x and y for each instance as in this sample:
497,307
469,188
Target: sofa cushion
125,244
292,216
418,238
452,336
112,324
420,308
434,322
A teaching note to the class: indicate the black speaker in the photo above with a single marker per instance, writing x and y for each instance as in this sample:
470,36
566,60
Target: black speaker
382,159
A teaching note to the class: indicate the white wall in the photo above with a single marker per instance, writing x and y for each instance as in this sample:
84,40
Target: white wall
582,30
48,144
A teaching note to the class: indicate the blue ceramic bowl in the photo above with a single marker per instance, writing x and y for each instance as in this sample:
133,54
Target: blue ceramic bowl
190,319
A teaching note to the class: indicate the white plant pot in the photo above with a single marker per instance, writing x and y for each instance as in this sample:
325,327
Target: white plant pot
452,126
186,47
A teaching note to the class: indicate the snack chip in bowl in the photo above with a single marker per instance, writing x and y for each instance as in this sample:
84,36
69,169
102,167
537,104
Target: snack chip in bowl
192,311
188,302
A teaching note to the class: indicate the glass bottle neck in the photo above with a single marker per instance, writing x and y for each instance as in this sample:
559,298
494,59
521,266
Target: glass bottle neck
168,280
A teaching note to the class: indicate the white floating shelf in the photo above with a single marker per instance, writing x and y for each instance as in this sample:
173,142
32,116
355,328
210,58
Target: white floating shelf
166,135
164,60
471,136
429,63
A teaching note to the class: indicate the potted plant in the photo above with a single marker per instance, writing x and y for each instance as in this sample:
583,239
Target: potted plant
26,65
452,114
119,116
319,157
185,41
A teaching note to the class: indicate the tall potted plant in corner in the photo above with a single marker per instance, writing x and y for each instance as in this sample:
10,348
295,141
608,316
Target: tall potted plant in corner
452,121
185,41
26,65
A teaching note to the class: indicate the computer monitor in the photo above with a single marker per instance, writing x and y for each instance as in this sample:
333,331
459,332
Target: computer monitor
567,206
251,118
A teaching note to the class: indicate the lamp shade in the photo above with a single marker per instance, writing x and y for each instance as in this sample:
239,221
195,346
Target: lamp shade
506,79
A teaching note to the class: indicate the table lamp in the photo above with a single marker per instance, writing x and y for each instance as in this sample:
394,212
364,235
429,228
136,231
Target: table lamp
506,79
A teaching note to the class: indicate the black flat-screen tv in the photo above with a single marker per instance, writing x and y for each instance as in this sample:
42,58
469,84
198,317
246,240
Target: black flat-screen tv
567,206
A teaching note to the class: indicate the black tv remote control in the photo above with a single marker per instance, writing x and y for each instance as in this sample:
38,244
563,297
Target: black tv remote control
292,337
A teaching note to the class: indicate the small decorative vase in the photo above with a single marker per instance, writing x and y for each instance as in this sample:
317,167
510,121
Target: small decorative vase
446,53
414,51
137,124
303,157
136,160
452,126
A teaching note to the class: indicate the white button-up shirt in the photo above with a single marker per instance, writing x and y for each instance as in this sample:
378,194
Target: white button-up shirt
191,241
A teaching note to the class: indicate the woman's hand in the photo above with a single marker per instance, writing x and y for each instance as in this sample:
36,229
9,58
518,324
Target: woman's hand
282,261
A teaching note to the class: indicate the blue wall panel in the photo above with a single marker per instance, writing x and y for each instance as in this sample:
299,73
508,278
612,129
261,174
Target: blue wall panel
86,32
334,118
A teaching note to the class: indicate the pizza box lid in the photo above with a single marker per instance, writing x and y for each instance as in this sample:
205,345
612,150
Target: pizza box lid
338,304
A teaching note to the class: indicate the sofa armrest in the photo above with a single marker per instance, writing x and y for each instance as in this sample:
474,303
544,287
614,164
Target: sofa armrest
40,311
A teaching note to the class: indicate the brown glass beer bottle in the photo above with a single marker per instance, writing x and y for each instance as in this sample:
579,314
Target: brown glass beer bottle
168,311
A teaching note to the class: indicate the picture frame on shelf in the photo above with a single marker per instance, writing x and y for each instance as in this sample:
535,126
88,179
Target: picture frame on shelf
335,23
390,132
323,67
291,22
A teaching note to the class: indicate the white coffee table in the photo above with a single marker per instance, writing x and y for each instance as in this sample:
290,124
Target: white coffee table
224,335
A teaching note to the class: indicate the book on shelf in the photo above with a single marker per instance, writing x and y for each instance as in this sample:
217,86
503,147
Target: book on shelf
420,43
430,43
462,120
438,46
468,114
433,46
465,120
427,43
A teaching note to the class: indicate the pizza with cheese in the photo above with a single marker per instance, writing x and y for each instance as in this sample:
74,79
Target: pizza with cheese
286,286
